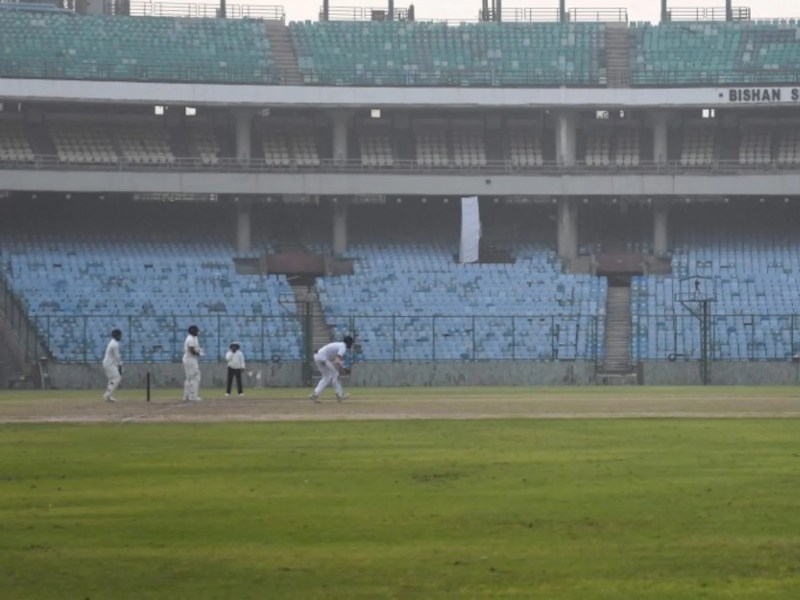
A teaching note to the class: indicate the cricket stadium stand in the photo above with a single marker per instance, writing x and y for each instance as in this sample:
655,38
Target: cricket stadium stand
631,175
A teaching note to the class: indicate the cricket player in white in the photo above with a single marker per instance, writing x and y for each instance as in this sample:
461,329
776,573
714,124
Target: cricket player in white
191,355
112,365
329,359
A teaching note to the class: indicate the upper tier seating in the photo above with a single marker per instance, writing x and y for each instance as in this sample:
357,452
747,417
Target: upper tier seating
83,142
627,151
468,148
376,148
79,288
598,148
14,144
144,143
755,147
205,144
698,147
525,148
275,147
304,149
435,54
432,148
788,146
715,53
70,46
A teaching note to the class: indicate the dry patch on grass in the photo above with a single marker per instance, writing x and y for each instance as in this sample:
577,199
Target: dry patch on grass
53,406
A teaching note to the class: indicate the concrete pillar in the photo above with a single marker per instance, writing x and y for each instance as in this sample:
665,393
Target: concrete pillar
243,227
566,138
660,228
341,121
567,228
244,133
339,227
660,137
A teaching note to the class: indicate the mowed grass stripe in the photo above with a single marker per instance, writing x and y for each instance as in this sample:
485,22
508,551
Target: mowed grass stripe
403,509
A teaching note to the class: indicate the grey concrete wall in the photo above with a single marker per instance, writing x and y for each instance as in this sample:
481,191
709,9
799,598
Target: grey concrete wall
721,373
411,183
259,96
421,374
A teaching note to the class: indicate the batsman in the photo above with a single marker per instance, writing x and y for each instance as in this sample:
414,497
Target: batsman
330,360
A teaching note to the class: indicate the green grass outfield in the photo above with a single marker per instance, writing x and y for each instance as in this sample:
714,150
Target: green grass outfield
411,508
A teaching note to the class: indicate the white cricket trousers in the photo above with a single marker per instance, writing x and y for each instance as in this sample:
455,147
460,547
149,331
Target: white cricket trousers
329,375
191,387
113,376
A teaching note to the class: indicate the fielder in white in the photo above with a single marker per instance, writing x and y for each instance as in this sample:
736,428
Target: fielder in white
191,366
112,365
329,359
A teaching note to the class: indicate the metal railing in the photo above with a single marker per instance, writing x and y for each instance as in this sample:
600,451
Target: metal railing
159,338
475,337
413,167
688,13
490,77
702,78
151,8
526,76
80,338
598,15
362,13
139,8
15,313
197,72
525,15
747,337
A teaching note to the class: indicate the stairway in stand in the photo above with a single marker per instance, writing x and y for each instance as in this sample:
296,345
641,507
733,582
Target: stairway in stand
618,335
618,60
280,42
306,296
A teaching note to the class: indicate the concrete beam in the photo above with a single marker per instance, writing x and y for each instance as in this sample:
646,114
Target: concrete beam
456,184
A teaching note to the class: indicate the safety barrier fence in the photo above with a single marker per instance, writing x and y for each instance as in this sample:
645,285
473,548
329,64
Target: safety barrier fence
715,13
746,337
15,315
526,76
159,338
278,338
449,166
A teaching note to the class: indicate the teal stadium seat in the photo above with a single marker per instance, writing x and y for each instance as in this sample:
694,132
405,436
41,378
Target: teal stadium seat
69,46
715,53
435,54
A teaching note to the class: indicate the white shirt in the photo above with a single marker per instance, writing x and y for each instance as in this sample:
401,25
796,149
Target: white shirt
331,351
235,359
113,357
191,342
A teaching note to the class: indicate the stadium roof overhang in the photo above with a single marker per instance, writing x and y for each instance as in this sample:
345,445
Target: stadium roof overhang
259,96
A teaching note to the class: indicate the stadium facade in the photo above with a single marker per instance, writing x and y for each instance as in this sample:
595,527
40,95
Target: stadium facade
284,185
